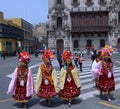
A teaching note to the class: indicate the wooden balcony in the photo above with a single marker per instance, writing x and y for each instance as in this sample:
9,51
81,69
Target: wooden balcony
89,29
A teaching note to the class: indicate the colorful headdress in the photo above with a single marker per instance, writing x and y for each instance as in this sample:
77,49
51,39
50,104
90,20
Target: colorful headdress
24,57
106,51
66,55
109,49
47,54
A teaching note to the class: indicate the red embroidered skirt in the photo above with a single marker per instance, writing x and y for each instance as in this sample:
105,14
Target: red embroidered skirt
20,93
70,90
106,84
46,89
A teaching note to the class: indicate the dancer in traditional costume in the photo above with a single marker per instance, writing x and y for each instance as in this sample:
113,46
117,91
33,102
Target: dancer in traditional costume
106,78
69,83
22,83
46,82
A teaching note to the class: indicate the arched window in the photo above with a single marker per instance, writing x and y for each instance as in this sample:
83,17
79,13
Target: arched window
59,22
102,43
58,1
75,43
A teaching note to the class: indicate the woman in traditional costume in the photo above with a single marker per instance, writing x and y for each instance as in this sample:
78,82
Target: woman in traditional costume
106,78
47,81
69,83
22,83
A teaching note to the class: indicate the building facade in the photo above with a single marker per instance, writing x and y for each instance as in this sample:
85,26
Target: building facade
40,32
29,40
10,35
80,24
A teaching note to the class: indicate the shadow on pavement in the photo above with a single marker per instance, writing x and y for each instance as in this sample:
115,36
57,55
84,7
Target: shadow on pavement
104,97
74,101
55,102
31,103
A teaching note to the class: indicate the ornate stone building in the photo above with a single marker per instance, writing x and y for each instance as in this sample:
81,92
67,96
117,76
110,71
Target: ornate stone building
77,24
40,32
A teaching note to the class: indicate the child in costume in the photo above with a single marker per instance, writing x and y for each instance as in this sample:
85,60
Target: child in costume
69,83
106,77
96,69
22,83
46,82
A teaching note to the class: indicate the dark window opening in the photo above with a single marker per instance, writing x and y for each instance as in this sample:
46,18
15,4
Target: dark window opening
102,43
118,41
75,43
119,17
75,1
58,1
89,43
89,1
59,22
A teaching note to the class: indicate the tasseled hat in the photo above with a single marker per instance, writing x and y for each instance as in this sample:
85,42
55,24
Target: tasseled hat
66,55
47,54
24,57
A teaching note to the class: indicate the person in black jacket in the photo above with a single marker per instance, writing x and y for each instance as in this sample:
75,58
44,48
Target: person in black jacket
94,55
59,58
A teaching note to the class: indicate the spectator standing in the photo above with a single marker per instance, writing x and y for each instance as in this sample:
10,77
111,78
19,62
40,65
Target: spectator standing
94,55
80,62
81,54
76,58
59,58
